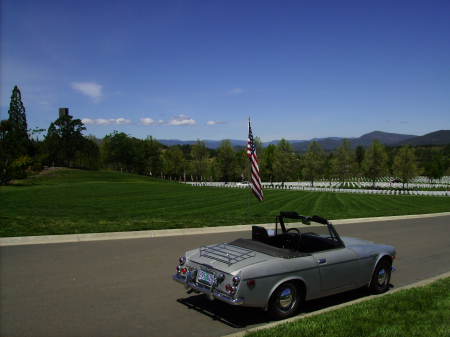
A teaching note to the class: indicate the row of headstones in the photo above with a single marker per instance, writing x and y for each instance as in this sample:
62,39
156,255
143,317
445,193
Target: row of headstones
326,189
397,185
445,180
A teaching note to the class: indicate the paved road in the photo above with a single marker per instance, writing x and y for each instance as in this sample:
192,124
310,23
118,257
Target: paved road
124,287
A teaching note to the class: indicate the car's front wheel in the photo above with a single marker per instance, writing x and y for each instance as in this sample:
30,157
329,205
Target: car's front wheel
284,301
381,278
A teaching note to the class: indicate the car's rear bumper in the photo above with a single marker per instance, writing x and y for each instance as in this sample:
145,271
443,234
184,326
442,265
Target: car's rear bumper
210,292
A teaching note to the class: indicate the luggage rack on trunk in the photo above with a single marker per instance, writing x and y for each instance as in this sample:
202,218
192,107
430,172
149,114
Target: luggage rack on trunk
226,253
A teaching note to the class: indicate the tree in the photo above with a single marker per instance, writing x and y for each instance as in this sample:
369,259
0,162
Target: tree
269,160
225,160
200,155
153,153
375,163
19,127
241,163
446,150
405,166
173,160
344,162
92,153
435,169
313,161
6,150
66,137
284,161
328,166
14,140
118,150
360,152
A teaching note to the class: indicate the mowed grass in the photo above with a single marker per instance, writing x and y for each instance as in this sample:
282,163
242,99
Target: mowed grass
422,311
76,201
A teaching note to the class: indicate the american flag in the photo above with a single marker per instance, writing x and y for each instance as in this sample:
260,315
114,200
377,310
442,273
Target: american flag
256,178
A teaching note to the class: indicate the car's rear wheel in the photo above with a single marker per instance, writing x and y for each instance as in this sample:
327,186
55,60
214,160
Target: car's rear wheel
381,278
284,301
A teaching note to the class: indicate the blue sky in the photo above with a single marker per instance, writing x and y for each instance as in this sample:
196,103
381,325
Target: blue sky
198,69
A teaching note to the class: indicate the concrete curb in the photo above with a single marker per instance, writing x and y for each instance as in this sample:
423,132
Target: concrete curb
45,239
292,319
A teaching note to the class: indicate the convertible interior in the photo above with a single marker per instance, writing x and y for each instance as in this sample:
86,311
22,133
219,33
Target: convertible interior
290,243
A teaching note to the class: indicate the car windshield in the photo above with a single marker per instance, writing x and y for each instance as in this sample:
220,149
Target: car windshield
298,227
291,222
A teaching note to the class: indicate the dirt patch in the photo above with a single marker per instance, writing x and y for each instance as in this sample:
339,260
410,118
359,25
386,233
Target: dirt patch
49,170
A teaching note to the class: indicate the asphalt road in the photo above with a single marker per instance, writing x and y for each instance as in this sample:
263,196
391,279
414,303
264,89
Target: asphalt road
124,287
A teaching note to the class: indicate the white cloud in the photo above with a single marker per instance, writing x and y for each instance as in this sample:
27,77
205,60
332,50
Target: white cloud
215,123
90,89
181,120
102,121
149,121
236,91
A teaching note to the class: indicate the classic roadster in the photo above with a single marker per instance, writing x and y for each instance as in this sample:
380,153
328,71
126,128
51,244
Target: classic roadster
278,269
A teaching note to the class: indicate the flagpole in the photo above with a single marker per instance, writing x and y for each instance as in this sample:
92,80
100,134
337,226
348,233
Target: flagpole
248,175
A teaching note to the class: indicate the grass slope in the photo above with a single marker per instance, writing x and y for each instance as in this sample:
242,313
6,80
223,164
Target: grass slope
422,311
76,201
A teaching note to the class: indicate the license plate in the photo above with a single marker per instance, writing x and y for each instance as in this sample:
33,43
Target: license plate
205,276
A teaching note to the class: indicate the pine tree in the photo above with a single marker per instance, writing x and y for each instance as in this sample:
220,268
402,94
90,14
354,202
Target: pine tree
18,121
16,111
14,141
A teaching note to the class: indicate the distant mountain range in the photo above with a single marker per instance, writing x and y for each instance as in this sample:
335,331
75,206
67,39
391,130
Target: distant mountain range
330,143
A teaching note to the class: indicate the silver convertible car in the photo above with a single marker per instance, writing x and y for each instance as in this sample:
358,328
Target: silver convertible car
277,269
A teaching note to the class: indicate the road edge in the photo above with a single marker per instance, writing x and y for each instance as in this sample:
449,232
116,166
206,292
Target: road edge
47,239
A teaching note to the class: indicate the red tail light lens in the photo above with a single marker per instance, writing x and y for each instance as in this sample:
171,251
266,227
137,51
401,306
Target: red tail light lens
236,280
230,288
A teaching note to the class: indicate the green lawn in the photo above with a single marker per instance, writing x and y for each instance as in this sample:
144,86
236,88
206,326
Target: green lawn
77,201
422,311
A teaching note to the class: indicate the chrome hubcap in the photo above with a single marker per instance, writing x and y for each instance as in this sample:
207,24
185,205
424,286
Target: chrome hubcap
286,298
382,275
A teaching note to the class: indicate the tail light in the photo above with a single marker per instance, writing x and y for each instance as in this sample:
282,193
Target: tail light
182,260
230,289
236,280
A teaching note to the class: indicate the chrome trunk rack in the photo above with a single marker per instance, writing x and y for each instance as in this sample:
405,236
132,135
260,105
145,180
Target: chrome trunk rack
225,253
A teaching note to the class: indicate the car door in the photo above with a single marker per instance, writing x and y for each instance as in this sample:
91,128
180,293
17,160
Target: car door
338,268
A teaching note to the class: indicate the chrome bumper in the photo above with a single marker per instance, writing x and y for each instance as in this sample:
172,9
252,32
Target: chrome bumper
210,292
